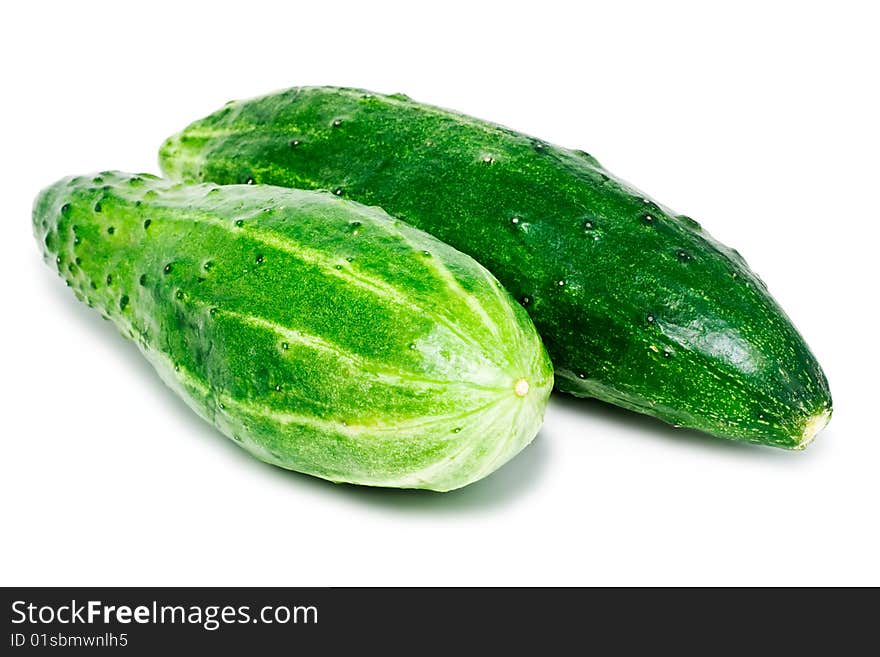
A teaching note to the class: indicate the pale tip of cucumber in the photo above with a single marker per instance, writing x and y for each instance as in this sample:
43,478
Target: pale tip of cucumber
521,388
812,428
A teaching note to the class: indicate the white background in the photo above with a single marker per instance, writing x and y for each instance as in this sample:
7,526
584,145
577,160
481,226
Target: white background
760,120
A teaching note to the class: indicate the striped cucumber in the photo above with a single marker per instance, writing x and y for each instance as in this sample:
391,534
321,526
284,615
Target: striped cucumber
636,304
320,334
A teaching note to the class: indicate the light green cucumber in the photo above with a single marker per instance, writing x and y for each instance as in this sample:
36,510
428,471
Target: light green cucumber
321,335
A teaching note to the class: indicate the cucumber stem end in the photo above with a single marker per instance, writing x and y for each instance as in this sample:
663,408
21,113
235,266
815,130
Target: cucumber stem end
813,427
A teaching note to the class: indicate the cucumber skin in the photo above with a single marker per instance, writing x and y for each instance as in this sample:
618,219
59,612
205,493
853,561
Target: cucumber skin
637,306
322,335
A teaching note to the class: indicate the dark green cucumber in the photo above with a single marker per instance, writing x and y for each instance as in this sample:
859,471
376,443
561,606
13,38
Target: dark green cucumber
321,335
636,304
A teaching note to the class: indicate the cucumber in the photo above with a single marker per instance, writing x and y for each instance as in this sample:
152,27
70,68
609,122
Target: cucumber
637,305
321,335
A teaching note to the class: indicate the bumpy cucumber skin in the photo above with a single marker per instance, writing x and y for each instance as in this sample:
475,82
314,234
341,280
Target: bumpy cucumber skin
637,305
321,335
